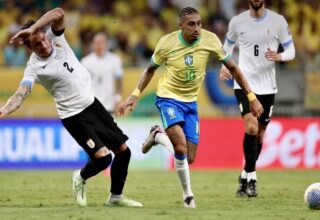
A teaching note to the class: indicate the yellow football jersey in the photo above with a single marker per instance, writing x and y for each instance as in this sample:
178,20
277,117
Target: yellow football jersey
185,64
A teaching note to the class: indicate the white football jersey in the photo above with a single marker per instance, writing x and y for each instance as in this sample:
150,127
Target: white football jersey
255,36
104,71
62,76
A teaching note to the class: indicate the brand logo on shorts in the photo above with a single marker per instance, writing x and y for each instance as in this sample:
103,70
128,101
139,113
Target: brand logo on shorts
171,113
91,143
241,107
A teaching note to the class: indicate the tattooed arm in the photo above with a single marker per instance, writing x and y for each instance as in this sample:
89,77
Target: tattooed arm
15,101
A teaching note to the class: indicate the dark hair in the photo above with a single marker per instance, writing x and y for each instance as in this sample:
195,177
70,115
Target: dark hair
28,24
187,11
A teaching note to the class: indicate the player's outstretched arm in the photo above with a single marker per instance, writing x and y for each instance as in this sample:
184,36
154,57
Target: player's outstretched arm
255,106
132,99
15,101
55,17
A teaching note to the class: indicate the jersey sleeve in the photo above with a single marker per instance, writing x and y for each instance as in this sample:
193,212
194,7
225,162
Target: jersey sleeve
56,34
158,55
232,36
218,51
29,77
285,36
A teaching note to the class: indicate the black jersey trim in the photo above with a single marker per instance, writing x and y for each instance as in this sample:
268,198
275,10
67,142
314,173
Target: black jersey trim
58,32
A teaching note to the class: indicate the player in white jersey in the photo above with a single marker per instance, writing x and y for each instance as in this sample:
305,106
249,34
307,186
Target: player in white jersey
54,65
106,71
259,32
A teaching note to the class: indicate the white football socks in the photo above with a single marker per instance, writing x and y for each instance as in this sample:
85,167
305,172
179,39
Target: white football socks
182,169
163,139
244,174
251,176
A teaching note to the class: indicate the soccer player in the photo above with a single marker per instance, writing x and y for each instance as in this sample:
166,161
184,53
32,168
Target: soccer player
185,53
106,71
54,65
259,32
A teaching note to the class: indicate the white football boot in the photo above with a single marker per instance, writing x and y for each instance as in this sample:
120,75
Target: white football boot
123,201
78,188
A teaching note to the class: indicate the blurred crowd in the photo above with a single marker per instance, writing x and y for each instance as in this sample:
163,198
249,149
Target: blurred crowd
135,26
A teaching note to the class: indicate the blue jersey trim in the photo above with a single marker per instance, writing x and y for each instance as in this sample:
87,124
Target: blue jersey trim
263,17
26,82
230,41
286,44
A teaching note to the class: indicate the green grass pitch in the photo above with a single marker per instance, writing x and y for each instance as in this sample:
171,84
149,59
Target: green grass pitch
47,195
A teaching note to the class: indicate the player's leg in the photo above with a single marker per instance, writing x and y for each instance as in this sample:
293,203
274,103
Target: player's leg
250,143
250,154
101,160
172,113
192,151
114,138
178,140
156,136
191,130
260,135
267,102
119,172
248,174
100,156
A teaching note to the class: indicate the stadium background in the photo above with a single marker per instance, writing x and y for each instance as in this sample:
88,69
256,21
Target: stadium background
33,137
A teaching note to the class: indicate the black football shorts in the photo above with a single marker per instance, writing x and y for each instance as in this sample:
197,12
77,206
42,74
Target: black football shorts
266,101
94,128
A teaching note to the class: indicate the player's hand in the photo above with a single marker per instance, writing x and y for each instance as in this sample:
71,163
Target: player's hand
272,55
256,108
20,37
129,103
224,73
3,112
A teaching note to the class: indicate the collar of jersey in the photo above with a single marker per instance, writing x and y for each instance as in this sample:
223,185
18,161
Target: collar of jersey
262,17
182,40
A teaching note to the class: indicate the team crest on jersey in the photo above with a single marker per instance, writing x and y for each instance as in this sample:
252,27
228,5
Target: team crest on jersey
171,113
91,143
188,59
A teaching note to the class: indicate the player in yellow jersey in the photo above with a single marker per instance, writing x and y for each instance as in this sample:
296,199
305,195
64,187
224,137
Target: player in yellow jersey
185,53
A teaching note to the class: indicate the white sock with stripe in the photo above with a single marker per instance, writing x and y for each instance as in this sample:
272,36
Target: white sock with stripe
182,169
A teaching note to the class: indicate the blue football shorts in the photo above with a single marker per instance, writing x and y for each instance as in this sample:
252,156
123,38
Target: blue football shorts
183,113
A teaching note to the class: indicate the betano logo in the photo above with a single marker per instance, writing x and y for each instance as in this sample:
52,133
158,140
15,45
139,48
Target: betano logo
291,148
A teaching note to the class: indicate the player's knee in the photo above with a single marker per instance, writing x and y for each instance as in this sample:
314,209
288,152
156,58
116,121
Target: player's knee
103,162
121,149
251,129
103,151
180,150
